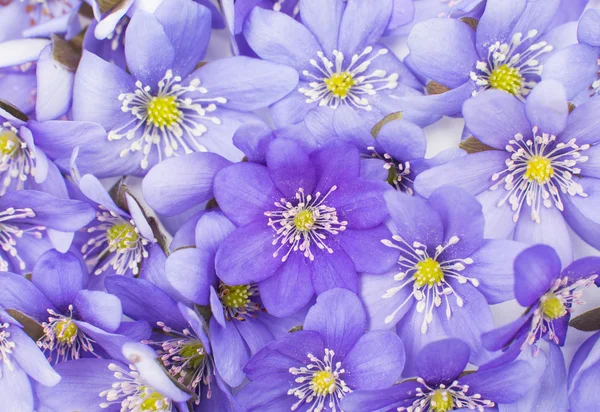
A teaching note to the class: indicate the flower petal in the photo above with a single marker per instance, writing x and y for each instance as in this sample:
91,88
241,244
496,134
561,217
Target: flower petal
535,270
547,107
443,361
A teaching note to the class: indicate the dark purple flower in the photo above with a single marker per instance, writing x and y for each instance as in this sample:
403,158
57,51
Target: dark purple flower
314,369
441,386
446,275
306,224
549,295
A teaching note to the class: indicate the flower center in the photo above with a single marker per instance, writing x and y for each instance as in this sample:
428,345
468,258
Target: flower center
304,220
538,172
305,224
429,272
235,296
553,308
172,118
509,67
153,402
123,236
163,111
398,172
323,383
429,276
65,331
441,401
338,82
195,353
238,301
9,143
539,169
320,383
506,78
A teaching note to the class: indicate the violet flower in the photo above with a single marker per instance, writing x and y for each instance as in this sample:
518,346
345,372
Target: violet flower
584,373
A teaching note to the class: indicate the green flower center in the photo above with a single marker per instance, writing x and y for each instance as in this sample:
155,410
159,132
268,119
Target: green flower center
163,111
539,169
195,354
553,307
9,143
441,401
323,383
340,83
235,297
153,402
304,220
65,331
507,78
122,235
429,272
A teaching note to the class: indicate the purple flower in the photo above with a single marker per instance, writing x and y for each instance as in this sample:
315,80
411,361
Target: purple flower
165,107
314,369
180,337
539,176
584,373
338,56
32,222
134,381
240,326
549,295
508,51
441,386
73,322
19,358
446,275
588,32
306,224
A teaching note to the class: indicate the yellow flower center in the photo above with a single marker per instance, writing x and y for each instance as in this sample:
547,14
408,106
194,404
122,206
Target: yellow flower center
65,331
323,383
553,307
235,297
153,402
441,401
340,83
192,352
506,78
163,111
539,169
429,272
123,235
304,220
9,143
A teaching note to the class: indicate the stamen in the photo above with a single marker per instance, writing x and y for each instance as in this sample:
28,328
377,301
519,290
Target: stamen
429,278
9,233
17,161
172,118
347,84
6,346
443,399
398,173
238,301
304,224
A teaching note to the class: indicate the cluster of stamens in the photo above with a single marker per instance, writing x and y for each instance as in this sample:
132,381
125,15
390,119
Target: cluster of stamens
429,278
445,398
320,384
6,346
538,170
43,10
335,84
555,304
398,172
304,224
9,233
509,67
118,240
18,159
62,334
132,393
238,301
170,119
186,360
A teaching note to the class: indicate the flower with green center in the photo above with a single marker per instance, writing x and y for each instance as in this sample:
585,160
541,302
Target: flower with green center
193,351
304,220
153,402
553,307
507,78
441,401
65,331
122,236
17,160
163,111
339,84
9,143
61,335
239,301
539,169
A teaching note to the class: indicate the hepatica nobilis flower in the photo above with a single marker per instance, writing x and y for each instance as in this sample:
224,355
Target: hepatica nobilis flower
314,369
584,374
440,385
549,294
337,54
446,275
306,224
167,107
73,321
541,173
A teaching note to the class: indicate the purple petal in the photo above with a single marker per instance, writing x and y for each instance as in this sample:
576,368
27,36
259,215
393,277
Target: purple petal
211,230
229,351
290,168
335,163
335,270
323,19
360,203
535,270
505,335
362,25
582,268
443,361
366,250
547,107
403,140
15,390
583,124
581,213
584,57
191,272
372,291
20,294
497,22
54,87
255,333
389,399
99,308
587,31
30,358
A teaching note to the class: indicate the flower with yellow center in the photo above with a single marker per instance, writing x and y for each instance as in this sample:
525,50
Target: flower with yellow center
507,78
553,308
429,272
66,331
62,338
539,169
17,160
304,220
122,236
441,401
9,143
153,402
163,111
339,84
323,383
